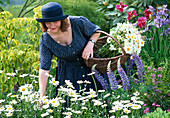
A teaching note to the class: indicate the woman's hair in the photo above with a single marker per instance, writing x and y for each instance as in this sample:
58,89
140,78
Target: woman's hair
63,27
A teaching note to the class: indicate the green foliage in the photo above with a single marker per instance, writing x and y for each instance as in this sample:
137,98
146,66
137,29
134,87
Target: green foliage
11,28
158,113
84,8
19,58
157,45
114,16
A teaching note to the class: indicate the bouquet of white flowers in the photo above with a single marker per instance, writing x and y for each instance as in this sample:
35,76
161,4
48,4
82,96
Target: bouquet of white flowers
128,36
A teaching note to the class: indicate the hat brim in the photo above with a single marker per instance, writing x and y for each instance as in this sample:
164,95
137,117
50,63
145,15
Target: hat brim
52,19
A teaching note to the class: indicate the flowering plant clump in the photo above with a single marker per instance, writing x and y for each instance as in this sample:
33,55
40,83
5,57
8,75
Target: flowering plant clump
131,14
157,33
120,7
70,103
128,36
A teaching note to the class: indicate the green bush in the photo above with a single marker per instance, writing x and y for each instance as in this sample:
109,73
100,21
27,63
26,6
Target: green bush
158,113
84,8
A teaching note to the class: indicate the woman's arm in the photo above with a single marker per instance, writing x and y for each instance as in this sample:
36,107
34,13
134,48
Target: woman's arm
88,50
43,77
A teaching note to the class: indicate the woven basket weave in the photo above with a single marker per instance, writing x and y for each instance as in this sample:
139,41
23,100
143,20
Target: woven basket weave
103,62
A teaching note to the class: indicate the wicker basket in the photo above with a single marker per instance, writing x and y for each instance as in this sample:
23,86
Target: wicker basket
103,62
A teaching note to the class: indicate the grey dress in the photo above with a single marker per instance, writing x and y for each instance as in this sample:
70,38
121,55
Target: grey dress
71,65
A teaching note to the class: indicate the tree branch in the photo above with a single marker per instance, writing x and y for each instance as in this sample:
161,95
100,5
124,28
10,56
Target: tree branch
23,8
32,8
30,4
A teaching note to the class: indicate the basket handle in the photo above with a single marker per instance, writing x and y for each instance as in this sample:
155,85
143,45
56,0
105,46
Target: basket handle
124,52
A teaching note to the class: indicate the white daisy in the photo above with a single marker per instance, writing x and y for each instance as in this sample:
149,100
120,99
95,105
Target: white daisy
44,114
9,114
136,106
11,74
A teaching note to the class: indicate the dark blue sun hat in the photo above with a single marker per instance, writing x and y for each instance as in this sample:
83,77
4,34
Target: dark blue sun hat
51,12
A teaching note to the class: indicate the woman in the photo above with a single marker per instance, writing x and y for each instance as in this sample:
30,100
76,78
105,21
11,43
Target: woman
70,39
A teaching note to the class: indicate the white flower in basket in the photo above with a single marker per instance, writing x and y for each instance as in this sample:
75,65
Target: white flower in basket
128,36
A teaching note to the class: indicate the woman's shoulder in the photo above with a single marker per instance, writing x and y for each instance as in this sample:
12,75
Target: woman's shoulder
77,19
43,36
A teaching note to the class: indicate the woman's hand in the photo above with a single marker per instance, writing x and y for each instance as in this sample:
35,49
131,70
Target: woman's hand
88,51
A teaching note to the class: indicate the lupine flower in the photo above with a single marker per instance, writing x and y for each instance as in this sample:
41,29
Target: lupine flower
129,66
147,13
141,22
111,77
140,68
100,78
123,76
131,14
120,7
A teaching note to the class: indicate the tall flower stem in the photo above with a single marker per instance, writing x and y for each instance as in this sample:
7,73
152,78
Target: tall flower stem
95,84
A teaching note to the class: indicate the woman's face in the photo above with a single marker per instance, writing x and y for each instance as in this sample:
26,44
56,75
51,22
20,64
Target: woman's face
53,26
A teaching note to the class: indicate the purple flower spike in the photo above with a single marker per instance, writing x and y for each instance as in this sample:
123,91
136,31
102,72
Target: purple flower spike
129,66
112,78
100,78
140,68
123,76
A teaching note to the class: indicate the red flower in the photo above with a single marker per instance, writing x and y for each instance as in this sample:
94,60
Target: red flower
131,14
147,13
120,7
142,22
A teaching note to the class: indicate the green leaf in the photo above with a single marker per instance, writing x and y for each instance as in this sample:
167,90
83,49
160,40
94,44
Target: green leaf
125,16
8,1
4,88
14,80
116,21
157,2
1,2
110,6
111,13
3,78
130,9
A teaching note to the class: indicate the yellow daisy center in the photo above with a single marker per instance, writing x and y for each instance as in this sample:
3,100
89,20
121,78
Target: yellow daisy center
23,89
128,49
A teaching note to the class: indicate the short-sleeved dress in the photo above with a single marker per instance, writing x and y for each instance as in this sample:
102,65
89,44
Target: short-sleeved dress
71,65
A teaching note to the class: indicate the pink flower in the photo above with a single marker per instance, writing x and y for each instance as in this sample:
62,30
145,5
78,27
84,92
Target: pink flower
144,105
120,7
153,104
158,105
147,109
147,13
131,14
159,76
168,110
144,111
159,69
142,22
